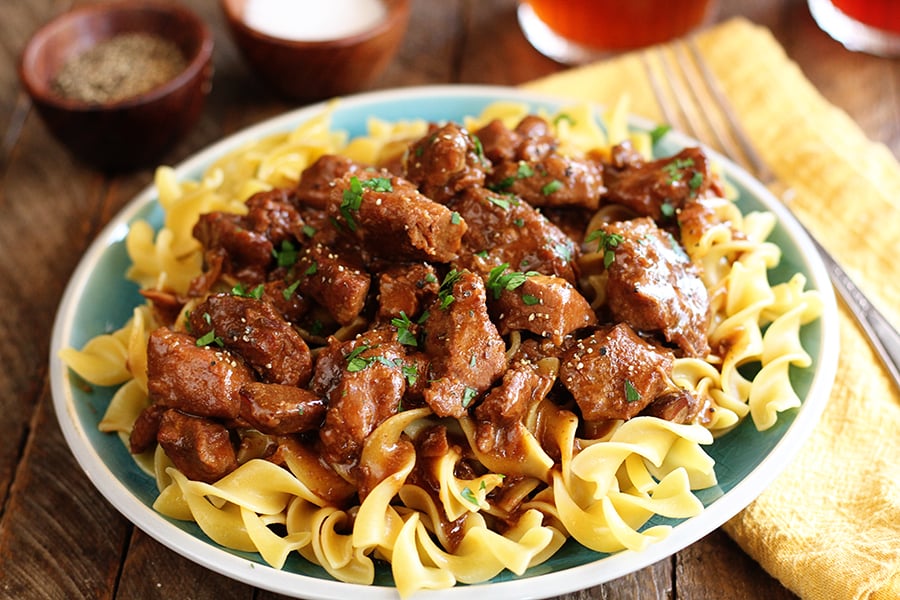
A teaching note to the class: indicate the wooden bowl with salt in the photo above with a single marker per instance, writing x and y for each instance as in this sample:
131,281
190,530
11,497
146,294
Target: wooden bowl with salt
314,50
119,83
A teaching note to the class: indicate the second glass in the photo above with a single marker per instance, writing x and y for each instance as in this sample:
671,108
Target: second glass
579,31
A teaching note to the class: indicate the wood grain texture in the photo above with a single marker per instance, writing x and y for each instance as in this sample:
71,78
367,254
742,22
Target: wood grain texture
59,538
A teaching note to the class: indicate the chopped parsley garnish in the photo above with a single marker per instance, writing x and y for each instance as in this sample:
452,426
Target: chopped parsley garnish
523,170
695,182
631,394
240,290
501,202
404,335
410,373
519,222
309,230
499,279
563,117
312,269
210,336
530,300
468,395
667,210
286,256
445,293
606,242
353,196
675,169
482,254
455,218
551,187
288,292
469,495
659,133
479,150
563,250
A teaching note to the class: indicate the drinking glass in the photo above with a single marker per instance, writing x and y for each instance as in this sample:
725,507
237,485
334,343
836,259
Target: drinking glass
579,31
871,26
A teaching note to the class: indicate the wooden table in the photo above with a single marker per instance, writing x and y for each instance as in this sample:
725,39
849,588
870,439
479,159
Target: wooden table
58,537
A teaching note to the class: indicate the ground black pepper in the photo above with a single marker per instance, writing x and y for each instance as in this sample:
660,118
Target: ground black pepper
121,67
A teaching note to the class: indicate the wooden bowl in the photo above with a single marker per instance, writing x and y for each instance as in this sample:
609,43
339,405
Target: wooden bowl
130,132
314,70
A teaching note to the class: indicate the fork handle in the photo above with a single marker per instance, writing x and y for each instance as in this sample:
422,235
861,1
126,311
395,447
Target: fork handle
884,338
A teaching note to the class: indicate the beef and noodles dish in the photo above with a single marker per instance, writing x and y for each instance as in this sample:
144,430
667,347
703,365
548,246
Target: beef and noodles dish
484,339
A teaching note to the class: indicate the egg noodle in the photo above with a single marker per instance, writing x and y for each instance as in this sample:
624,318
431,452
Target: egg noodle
601,492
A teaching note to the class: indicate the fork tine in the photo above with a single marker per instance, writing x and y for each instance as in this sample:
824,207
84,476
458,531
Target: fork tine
681,76
757,166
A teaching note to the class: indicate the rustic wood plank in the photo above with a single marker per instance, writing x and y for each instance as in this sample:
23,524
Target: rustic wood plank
59,538
152,571
717,569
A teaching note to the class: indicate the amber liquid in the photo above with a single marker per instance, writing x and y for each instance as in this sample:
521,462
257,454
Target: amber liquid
621,24
881,14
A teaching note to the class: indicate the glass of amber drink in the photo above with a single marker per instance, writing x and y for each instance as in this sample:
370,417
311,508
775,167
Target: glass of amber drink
579,31
871,26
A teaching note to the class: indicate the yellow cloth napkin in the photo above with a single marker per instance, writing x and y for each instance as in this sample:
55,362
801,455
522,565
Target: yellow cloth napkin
829,526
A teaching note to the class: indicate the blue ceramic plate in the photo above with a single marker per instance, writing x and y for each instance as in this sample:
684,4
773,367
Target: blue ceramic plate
99,299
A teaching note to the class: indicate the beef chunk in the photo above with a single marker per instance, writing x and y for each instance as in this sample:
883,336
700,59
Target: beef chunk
526,163
405,289
314,188
245,243
200,448
281,409
658,188
554,180
389,218
256,331
364,383
334,278
145,428
546,305
504,229
614,374
466,351
199,380
500,417
654,287
444,162
679,406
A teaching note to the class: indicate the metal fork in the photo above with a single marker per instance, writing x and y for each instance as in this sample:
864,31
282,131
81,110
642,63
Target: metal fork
703,111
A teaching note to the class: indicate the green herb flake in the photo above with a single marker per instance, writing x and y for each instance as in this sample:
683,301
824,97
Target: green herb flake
256,293
468,395
695,181
404,335
410,373
501,202
553,186
606,242
210,338
355,362
286,256
309,230
530,300
524,170
519,222
499,279
312,269
631,394
564,117
675,169
288,292
469,496
455,218
667,210
658,133
445,293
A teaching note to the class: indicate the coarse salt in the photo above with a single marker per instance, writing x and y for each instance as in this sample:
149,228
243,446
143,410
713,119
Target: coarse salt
313,20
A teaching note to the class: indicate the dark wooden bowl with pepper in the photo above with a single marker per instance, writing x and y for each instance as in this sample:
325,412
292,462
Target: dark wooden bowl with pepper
119,83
